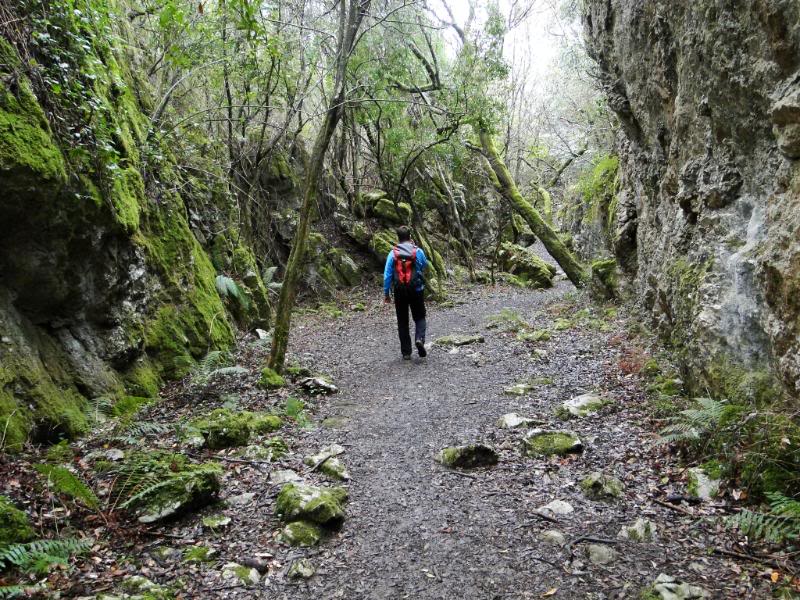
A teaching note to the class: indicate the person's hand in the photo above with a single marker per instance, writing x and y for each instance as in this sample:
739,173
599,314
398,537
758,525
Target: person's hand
387,299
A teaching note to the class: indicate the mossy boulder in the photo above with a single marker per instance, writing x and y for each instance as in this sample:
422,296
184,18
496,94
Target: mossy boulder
526,266
604,277
14,525
540,442
382,243
599,486
301,533
387,211
641,530
224,428
270,379
182,486
301,502
701,484
468,457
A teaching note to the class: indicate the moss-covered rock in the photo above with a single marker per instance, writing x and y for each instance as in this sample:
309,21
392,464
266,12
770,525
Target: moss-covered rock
468,457
539,442
582,406
700,484
301,533
526,266
301,568
537,335
224,428
182,485
329,463
388,212
604,277
270,380
14,525
599,486
300,502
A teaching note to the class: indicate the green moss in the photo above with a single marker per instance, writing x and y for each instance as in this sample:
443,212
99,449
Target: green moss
537,335
142,379
130,405
299,502
526,266
563,324
604,276
14,525
301,533
382,243
270,380
198,554
224,428
28,151
386,211
127,196
602,487
60,453
549,443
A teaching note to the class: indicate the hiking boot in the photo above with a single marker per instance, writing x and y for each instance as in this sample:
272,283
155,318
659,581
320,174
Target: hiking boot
421,348
406,357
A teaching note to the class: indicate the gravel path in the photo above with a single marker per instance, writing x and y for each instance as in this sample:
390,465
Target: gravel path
418,530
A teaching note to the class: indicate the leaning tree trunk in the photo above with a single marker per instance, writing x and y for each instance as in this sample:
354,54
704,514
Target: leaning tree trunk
351,15
506,186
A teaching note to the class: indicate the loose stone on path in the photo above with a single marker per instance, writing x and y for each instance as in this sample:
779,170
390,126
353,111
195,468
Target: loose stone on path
540,442
513,420
468,457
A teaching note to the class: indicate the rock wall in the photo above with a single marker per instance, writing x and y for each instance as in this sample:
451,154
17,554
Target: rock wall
708,216
104,289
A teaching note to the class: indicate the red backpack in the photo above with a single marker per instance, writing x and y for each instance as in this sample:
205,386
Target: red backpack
404,268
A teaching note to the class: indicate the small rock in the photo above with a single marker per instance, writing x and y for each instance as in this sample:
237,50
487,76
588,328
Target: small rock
557,508
598,486
284,476
518,389
599,554
701,485
317,386
216,521
669,588
460,340
240,499
301,533
538,442
468,457
641,531
552,536
300,502
115,454
246,575
301,569
513,420
332,466
583,405
262,334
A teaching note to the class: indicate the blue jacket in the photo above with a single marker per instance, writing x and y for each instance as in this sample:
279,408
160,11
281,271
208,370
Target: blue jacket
388,272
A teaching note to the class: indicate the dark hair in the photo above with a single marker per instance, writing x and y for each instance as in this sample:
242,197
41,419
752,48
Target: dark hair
403,233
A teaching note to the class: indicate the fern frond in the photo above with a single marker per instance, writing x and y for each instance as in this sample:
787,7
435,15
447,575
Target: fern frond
64,481
14,591
228,288
768,527
783,506
25,556
268,275
693,423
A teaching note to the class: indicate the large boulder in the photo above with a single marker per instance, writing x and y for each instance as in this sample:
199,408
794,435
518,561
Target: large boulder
388,212
224,428
526,266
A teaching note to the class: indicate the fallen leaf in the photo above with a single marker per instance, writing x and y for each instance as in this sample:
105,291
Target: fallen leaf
549,592
775,576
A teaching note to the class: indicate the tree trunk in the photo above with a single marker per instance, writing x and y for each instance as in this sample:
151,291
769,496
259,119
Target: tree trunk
506,186
350,16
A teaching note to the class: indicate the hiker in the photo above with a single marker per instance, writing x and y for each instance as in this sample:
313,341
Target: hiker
403,273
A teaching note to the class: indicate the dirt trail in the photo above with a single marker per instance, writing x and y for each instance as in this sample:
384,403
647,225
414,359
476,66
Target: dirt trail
418,530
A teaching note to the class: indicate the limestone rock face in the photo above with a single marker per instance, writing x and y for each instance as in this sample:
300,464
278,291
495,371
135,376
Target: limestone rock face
708,210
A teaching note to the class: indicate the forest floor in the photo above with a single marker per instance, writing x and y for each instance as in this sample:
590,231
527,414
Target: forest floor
415,528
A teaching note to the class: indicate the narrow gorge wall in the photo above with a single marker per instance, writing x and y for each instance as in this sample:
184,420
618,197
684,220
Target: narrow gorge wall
708,218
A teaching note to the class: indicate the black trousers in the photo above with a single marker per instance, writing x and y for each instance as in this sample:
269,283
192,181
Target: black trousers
403,300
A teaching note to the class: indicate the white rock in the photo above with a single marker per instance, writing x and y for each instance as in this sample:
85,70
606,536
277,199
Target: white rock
262,334
599,554
552,536
701,485
234,570
301,569
558,508
670,588
513,420
641,531
585,404
241,499
284,476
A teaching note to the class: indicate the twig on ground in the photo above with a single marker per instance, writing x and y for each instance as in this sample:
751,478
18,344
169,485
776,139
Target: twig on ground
674,507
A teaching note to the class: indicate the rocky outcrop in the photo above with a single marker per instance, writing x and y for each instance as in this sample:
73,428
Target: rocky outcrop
708,212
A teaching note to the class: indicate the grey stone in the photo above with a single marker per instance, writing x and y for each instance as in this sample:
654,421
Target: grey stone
332,466
641,530
558,508
513,420
599,554
599,486
669,588
701,485
240,499
552,536
584,405
301,569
